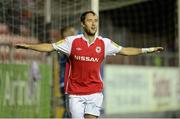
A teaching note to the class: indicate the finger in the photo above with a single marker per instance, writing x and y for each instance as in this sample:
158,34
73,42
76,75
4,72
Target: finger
160,49
18,46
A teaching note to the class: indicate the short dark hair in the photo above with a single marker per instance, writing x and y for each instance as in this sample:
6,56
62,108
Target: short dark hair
83,16
64,29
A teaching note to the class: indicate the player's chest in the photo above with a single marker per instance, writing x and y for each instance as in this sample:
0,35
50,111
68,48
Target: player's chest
85,49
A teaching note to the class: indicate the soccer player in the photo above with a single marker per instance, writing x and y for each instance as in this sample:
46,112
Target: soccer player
86,53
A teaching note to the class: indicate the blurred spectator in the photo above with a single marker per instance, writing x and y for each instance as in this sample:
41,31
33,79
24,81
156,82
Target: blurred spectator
4,29
54,35
24,31
34,76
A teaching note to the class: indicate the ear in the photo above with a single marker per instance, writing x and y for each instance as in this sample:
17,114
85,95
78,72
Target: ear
82,24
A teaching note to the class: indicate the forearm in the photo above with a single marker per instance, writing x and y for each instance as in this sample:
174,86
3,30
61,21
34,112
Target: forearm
137,51
131,51
45,47
42,47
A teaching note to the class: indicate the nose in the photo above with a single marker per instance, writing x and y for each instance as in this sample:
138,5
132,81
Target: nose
94,23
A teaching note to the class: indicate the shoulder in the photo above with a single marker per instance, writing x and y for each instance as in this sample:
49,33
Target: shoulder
104,39
71,38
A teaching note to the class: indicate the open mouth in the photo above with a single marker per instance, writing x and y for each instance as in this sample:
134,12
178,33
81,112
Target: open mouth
93,28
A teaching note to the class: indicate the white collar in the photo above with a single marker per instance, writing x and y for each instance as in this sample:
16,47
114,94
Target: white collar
83,37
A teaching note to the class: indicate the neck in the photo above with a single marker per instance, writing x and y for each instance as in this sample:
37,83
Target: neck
90,38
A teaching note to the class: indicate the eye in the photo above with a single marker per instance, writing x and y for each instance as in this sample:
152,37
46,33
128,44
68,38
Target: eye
89,20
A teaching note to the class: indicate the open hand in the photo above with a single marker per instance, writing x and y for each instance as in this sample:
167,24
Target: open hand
156,49
23,46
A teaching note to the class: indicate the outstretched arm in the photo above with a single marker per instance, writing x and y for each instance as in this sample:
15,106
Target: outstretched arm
136,51
45,47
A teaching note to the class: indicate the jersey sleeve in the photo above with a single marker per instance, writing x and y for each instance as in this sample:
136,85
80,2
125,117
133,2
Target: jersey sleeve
63,46
111,48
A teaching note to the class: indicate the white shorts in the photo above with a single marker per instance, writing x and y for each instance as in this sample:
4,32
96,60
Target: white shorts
85,104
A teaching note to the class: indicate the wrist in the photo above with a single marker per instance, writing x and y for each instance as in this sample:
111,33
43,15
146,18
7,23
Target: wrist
26,46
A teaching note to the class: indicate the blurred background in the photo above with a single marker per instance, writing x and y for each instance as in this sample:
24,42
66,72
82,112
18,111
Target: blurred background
136,86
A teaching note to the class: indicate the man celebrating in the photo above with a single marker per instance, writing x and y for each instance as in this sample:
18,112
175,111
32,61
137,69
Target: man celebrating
86,53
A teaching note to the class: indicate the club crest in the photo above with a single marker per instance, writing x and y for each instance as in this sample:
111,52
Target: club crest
98,49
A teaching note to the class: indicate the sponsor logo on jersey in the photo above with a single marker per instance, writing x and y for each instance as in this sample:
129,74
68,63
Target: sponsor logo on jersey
85,58
78,49
98,49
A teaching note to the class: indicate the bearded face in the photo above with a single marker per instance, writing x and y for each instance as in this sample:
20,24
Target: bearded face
90,24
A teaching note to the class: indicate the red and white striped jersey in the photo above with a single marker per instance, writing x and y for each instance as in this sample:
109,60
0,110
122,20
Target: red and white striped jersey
85,61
